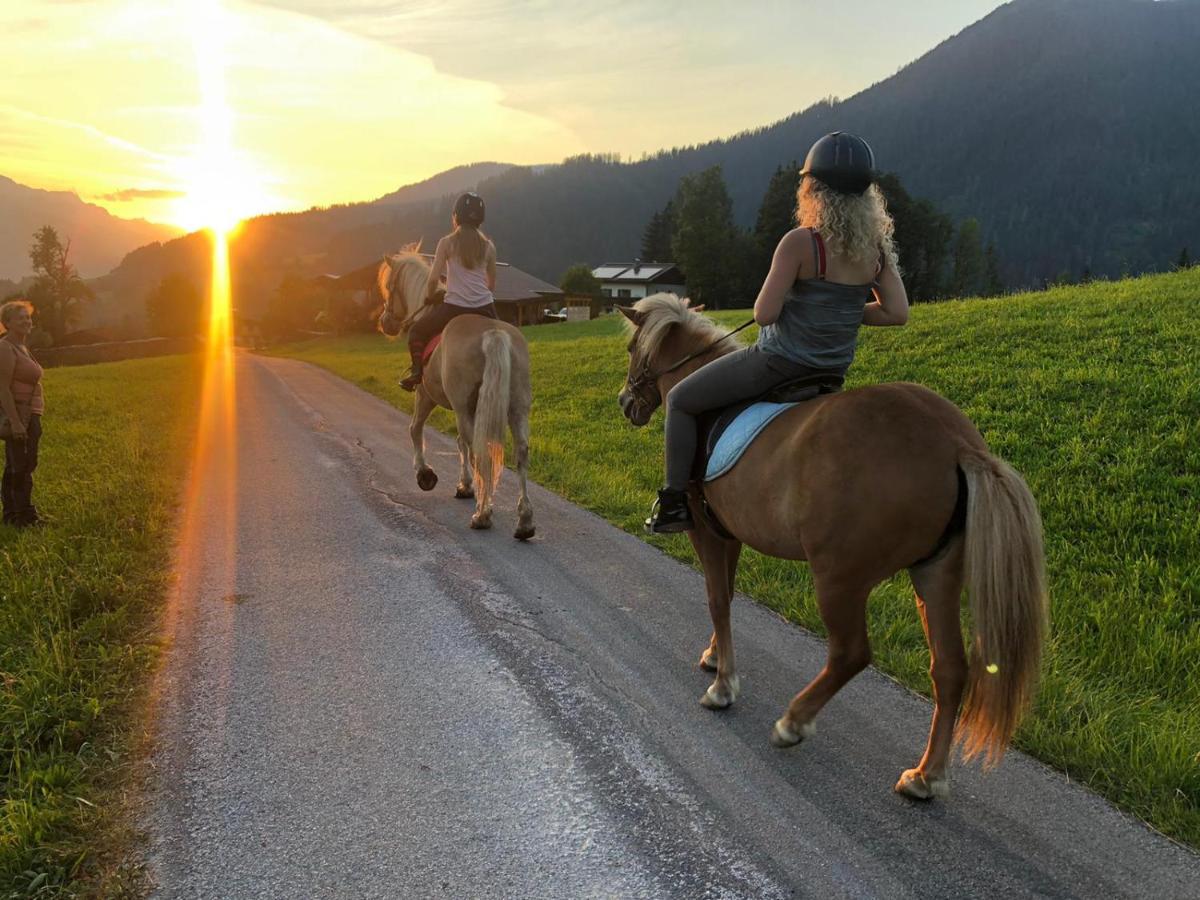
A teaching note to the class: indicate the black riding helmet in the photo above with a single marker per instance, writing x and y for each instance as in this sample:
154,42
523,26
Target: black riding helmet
469,210
844,162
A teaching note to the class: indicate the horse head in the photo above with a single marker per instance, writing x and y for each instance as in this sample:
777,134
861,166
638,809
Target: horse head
402,278
660,326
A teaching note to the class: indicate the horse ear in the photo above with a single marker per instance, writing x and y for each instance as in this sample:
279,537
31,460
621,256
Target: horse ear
699,308
631,314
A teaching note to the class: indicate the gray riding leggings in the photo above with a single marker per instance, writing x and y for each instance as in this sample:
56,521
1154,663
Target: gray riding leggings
742,375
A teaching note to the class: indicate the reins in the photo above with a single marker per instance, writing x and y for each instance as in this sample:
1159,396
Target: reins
646,375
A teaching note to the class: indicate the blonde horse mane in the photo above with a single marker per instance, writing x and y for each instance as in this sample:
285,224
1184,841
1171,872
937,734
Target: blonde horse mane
406,272
659,312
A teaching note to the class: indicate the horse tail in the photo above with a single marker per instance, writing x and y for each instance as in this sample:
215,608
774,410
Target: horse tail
491,413
1006,581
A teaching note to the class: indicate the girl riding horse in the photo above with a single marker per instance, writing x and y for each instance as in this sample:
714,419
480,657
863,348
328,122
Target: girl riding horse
833,273
467,258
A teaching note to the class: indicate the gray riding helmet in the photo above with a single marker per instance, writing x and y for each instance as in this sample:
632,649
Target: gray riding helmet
843,161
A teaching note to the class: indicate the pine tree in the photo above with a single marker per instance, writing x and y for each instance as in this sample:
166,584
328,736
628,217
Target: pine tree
967,279
705,239
656,239
776,214
1184,261
993,284
923,236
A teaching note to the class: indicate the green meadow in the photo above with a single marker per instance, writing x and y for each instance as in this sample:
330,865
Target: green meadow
79,604
1092,392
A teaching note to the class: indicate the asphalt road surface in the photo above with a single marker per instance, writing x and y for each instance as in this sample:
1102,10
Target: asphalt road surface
367,699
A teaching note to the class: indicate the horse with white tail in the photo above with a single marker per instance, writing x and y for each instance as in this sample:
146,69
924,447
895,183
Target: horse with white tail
862,484
480,371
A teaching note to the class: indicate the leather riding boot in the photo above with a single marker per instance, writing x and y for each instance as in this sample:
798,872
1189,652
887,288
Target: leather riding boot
670,513
414,376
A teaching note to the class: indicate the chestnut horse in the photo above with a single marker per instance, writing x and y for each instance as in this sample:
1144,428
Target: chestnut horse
862,484
480,371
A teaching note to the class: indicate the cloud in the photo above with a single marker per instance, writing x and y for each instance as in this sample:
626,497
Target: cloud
141,194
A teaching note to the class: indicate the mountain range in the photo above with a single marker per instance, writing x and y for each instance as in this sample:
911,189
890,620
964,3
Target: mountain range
1066,127
99,240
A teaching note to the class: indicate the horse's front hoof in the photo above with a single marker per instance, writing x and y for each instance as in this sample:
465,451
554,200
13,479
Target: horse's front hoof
464,492
915,785
426,479
524,532
721,696
481,523
708,660
782,735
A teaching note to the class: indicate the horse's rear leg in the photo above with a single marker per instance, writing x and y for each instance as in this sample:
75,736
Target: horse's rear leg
464,490
938,587
426,477
482,517
520,432
719,559
843,608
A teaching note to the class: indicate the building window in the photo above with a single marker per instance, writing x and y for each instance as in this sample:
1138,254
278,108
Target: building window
623,293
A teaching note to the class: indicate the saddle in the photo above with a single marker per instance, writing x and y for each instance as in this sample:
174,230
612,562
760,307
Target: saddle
744,420
427,353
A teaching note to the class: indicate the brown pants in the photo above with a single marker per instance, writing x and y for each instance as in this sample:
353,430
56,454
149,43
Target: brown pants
16,486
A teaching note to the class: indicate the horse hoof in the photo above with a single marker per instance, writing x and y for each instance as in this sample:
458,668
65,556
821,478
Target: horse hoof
783,736
708,661
524,532
426,479
463,492
481,523
915,785
721,696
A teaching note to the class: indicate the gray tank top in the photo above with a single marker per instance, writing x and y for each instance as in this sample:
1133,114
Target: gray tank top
818,325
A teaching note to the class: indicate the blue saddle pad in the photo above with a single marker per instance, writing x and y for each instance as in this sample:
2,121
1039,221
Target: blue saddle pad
738,434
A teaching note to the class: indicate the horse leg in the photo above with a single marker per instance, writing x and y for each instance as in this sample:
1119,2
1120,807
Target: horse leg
482,517
520,431
426,477
718,558
938,587
464,490
843,608
708,659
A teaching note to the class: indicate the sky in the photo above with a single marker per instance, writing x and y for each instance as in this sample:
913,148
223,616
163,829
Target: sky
162,109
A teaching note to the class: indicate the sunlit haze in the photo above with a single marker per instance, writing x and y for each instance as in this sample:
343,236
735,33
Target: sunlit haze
326,102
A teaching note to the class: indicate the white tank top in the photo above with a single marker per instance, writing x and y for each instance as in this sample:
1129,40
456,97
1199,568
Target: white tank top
466,287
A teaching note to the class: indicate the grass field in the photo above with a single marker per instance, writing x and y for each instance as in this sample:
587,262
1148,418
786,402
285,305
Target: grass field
1092,392
78,616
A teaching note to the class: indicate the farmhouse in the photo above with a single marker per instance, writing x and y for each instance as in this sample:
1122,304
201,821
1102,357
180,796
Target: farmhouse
639,279
521,298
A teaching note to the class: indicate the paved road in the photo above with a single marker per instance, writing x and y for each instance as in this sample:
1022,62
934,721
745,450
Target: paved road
367,699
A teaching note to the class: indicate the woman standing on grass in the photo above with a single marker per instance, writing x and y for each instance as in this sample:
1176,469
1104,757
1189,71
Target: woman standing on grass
835,272
21,408
467,256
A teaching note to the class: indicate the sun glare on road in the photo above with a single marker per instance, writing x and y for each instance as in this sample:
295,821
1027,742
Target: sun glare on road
212,203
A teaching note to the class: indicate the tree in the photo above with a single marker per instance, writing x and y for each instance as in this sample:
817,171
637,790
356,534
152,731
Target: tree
923,235
175,308
705,237
1184,261
967,279
578,279
993,284
656,238
776,213
58,293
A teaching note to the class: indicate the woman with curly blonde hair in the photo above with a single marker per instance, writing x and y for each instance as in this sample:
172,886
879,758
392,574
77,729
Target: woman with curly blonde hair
833,273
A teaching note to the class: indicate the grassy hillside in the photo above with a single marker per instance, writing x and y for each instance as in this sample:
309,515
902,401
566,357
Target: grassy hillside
1092,392
78,603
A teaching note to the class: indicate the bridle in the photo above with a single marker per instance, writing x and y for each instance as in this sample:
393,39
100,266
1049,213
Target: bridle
389,303
646,377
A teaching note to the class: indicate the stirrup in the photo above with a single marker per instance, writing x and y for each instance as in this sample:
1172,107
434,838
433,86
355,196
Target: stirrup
670,513
412,381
